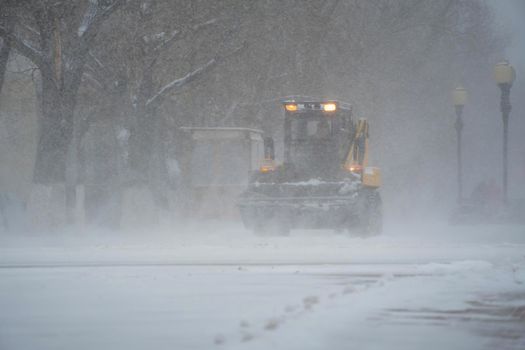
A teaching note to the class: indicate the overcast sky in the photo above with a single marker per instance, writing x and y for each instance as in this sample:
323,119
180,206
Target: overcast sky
510,15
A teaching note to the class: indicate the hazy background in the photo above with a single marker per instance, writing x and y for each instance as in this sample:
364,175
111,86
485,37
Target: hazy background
395,61
509,17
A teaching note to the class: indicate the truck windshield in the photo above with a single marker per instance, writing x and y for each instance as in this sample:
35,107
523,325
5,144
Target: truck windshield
308,128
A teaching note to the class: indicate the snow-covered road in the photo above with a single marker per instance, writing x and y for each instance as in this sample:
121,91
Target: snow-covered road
427,286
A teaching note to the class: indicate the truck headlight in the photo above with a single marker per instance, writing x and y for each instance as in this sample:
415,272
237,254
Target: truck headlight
329,107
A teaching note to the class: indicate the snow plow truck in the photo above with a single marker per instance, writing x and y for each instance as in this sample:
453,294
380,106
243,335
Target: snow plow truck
324,181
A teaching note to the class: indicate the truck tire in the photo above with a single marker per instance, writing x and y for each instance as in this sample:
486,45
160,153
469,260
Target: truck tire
273,225
277,229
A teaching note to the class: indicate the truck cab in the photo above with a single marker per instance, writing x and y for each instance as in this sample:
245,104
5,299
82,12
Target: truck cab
324,180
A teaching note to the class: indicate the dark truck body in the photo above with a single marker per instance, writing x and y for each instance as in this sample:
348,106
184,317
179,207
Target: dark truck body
312,188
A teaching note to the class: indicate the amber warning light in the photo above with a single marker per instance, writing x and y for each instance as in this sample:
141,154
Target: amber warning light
354,168
267,166
291,107
313,106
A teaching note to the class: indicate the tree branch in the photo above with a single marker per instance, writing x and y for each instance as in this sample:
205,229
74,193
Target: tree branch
94,15
202,25
156,99
5,47
177,83
181,34
23,47
101,76
96,60
93,80
173,35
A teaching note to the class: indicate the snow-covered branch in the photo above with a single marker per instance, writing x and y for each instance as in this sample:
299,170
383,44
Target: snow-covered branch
177,83
191,76
93,80
204,24
98,74
22,46
88,18
95,13
96,60
165,39
31,29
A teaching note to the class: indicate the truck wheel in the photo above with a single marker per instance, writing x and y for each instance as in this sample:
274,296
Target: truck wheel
370,220
272,226
272,230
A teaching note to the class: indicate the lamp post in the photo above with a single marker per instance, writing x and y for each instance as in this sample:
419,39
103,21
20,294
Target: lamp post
504,75
459,97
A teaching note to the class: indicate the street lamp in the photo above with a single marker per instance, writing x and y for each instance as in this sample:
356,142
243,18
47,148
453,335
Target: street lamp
459,97
504,75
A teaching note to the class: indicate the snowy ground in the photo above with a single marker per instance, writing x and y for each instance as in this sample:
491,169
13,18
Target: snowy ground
218,287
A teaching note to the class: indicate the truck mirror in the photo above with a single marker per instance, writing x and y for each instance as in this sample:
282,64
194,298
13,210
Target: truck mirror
269,151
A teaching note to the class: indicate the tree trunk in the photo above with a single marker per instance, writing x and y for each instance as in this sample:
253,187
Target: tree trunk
141,147
4,57
54,135
159,182
147,156
6,20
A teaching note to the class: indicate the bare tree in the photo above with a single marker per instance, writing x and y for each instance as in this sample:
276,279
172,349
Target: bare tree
56,36
141,72
7,24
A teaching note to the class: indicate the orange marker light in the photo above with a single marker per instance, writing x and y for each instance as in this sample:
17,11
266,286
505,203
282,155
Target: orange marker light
355,168
267,166
291,107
